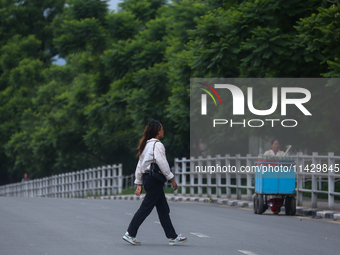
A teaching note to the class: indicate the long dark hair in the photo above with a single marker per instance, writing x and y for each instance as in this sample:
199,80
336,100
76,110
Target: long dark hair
151,130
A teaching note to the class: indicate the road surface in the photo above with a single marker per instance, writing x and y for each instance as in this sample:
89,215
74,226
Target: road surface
56,226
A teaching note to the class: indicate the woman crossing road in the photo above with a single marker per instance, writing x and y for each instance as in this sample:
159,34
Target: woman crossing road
150,149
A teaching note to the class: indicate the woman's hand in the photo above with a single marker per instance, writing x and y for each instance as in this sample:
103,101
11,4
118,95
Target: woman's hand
174,184
138,190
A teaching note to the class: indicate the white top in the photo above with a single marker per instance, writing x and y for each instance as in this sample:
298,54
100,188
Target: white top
271,153
146,158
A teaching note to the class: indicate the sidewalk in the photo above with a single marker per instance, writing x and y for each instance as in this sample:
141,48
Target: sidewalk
304,210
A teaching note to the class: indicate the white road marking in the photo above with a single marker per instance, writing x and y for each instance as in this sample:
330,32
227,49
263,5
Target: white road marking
198,234
128,213
247,252
157,222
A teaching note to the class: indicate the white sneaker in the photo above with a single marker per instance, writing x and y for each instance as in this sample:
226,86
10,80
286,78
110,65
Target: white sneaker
130,239
178,240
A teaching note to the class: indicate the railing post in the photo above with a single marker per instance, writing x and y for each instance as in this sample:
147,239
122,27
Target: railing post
249,179
56,181
208,176
40,181
192,176
93,181
52,190
314,182
109,180
331,180
63,185
12,190
36,188
114,180
86,182
73,180
299,178
184,177
103,180
238,177
98,180
53,186
15,190
39,186
120,179
66,182
228,179
47,191
78,192
82,183
32,188
218,170
176,173
30,183
69,185
47,186
75,184
43,186
50,186
200,178
57,186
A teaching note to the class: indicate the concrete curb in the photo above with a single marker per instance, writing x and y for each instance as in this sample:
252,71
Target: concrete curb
325,214
336,216
307,211
302,211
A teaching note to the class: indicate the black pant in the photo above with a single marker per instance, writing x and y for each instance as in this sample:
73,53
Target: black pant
154,197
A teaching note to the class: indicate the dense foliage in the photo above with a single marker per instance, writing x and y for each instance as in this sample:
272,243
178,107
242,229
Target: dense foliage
124,68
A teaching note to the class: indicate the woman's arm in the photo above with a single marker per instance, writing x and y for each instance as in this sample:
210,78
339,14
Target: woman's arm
138,191
139,174
174,184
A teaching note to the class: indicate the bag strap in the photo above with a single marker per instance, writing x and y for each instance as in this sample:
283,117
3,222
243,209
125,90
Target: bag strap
154,161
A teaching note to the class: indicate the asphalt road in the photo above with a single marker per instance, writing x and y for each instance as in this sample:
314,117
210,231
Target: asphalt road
87,227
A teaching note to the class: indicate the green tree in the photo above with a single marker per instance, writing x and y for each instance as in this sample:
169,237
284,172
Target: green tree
26,48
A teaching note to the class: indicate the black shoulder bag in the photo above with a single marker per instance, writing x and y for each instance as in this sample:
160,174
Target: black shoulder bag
155,172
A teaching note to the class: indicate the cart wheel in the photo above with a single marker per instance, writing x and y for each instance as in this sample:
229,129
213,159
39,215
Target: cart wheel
260,209
255,203
288,205
292,206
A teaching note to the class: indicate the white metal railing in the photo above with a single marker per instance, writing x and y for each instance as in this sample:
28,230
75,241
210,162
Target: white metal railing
104,180
234,181
108,180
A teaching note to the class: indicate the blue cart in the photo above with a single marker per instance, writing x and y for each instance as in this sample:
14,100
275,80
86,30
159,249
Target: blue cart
274,185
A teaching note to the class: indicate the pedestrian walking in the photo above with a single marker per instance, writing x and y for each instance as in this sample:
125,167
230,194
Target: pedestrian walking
150,149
